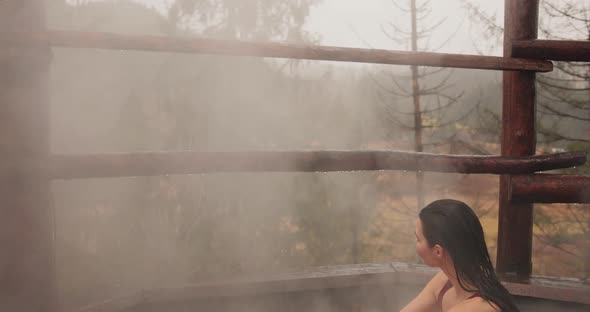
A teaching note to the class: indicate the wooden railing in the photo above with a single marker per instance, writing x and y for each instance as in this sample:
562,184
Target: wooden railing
196,45
25,57
550,188
148,164
358,280
556,50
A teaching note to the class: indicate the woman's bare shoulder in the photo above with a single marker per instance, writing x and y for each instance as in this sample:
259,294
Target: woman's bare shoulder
439,280
475,304
426,300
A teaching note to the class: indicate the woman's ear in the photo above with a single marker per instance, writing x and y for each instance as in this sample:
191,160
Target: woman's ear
438,251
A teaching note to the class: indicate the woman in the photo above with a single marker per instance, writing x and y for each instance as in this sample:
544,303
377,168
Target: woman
449,236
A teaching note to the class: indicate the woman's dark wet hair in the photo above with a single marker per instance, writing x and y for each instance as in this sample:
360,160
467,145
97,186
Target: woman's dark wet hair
454,226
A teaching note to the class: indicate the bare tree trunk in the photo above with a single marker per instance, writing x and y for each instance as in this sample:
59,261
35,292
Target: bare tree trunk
417,111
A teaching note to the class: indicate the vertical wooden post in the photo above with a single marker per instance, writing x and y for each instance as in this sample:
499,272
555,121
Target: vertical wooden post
515,222
27,270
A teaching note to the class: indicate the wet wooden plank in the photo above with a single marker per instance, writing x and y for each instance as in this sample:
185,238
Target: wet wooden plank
556,50
543,288
163,163
197,45
550,188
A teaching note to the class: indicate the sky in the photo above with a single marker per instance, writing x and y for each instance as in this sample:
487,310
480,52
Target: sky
358,23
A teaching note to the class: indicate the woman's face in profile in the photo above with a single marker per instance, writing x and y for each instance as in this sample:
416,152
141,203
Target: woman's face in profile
422,246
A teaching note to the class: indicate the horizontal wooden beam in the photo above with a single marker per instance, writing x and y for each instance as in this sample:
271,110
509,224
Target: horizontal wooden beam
312,279
111,41
75,166
333,277
550,188
556,50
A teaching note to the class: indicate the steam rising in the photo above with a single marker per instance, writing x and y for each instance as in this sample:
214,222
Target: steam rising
117,236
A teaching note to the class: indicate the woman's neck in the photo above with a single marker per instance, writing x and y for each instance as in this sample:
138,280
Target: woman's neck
449,270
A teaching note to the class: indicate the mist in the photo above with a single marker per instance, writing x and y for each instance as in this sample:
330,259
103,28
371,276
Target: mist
118,236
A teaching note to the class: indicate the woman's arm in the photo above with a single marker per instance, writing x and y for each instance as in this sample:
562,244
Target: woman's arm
426,300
